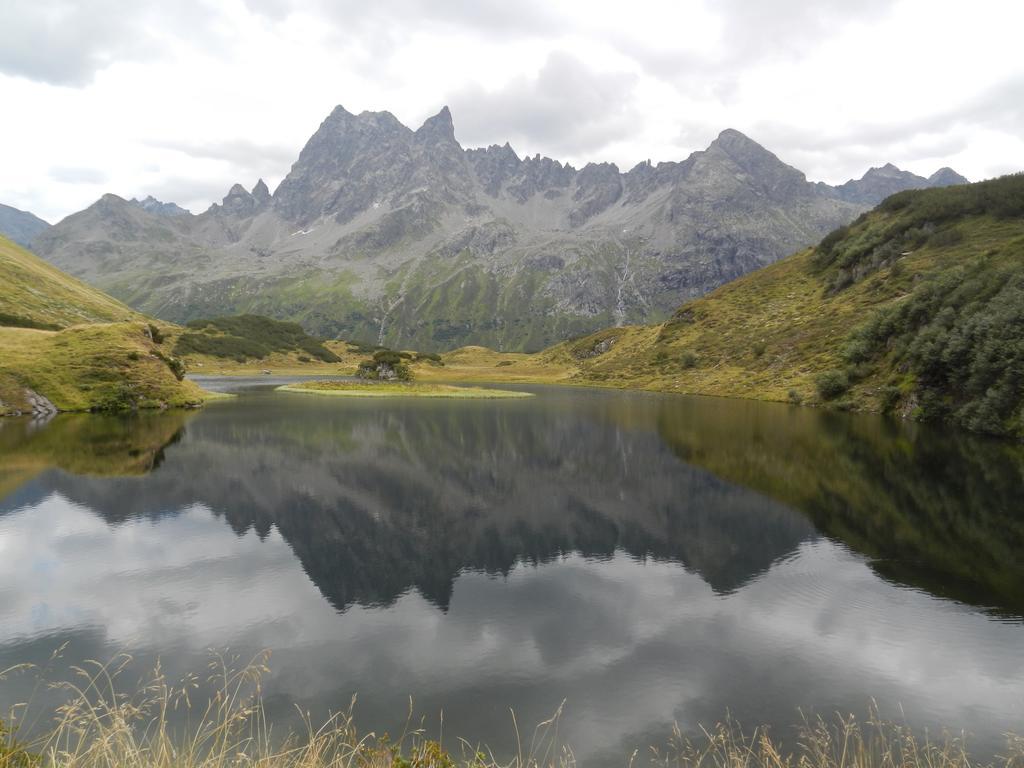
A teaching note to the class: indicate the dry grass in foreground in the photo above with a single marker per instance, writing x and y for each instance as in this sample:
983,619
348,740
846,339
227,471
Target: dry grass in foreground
101,726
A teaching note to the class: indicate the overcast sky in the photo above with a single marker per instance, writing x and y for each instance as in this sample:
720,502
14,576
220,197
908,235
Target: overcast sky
182,99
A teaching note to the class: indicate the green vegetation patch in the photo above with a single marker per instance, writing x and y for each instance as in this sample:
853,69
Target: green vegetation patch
99,367
34,294
244,337
399,389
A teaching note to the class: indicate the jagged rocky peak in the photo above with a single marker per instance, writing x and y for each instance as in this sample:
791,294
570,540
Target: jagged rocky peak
261,193
598,186
438,128
888,171
878,183
762,170
240,202
494,166
153,205
346,166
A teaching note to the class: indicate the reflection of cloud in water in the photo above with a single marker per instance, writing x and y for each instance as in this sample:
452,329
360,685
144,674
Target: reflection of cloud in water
660,592
631,645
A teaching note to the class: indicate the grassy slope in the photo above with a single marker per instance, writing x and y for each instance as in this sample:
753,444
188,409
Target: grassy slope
35,294
105,366
76,346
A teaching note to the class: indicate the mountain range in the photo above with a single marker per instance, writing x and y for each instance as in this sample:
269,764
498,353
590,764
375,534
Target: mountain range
402,237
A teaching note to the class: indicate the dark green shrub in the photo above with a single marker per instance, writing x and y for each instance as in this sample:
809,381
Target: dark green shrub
946,237
961,336
17,321
794,397
176,366
831,384
305,359
857,350
155,333
384,365
888,398
833,238
249,336
758,348
688,359
387,356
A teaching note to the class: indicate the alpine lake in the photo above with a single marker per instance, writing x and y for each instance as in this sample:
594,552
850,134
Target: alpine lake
645,559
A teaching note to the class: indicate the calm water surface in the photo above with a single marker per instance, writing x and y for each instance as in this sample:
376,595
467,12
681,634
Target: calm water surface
648,559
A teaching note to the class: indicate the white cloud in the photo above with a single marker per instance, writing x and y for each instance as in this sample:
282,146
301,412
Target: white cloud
227,92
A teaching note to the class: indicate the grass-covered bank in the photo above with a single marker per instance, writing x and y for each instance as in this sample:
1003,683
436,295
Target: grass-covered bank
398,389
99,367
65,346
218,720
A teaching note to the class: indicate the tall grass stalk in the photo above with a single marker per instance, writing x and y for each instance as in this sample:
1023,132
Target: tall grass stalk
219,721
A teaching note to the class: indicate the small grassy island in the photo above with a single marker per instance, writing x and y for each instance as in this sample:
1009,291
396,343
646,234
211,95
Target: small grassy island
398,389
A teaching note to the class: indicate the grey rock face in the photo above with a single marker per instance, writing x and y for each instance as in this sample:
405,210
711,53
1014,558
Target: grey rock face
41,407
21,226
152,205
878,183
946,177
402,237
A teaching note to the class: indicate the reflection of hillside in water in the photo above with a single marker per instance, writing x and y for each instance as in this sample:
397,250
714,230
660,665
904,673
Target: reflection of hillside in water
85,444
374,501
939,510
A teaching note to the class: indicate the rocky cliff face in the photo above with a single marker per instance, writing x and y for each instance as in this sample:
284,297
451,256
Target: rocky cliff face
383,233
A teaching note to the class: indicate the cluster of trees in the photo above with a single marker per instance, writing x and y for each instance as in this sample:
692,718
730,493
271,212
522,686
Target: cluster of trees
961,337
907,221
386,365
244,337
954,345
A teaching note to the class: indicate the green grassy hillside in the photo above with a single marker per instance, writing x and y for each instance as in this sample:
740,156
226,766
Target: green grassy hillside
34,294
916,308
98,367
77,347
249,337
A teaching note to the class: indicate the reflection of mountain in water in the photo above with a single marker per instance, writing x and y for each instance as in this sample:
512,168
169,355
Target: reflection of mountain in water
376,500
938,510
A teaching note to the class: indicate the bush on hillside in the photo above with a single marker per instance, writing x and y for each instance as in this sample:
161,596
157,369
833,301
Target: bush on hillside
385,365
961,335
831,384
245,337
916,217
